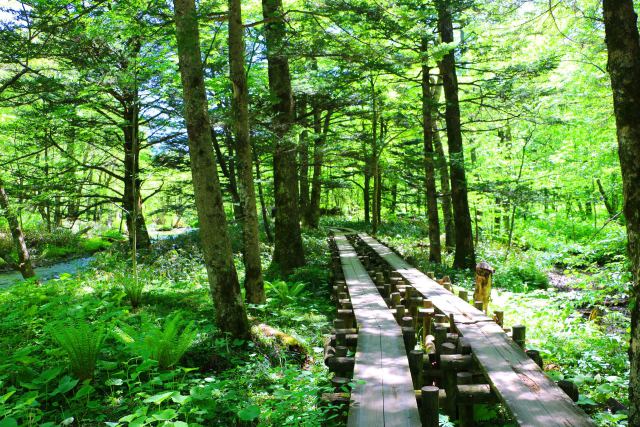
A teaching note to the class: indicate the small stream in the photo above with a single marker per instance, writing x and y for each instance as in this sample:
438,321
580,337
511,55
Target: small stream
54,271
72,266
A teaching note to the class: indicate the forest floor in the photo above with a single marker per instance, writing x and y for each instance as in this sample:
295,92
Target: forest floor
223,381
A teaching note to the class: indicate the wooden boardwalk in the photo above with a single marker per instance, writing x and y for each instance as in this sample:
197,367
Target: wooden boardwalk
383,392
531,397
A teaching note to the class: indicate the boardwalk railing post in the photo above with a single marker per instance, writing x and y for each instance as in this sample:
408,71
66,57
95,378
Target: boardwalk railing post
429,406
465,410
519,335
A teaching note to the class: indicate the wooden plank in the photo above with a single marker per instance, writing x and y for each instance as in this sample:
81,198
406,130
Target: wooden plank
532,398
383,393
444,301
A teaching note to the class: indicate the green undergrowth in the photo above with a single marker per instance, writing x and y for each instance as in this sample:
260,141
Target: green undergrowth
164,362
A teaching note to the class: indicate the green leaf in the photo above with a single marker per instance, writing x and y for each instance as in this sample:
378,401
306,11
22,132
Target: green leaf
6,397
9,422
165,415
65,384
159,398
249,413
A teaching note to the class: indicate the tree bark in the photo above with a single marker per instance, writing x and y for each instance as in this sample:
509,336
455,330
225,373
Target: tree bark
605,199
288,252
435,252
24,259
320,130
304,164
253,282
223,279
623,45
465,254
445,183
263,205
132,200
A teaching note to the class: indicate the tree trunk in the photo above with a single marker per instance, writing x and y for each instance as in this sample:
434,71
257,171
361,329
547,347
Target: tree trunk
24,259
223,279
263,205
320,130
435,252
605,199
366,190
445,183
253,282
228,171
303,153
288,252
132,200
623,45
465,254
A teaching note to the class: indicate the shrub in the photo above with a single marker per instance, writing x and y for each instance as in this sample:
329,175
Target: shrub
82,343
95,244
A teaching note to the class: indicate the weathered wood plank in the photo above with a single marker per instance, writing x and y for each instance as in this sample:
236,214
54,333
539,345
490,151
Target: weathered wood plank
443,300
383,393
532,398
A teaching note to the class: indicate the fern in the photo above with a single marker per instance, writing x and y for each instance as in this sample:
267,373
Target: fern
283,292
133,287
82,343
169,344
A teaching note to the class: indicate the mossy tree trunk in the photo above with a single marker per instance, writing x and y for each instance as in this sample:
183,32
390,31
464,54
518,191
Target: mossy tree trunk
435,252
223,279
253,281
288,251
623,45
465,253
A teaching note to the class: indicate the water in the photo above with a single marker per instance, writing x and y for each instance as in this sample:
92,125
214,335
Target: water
46,273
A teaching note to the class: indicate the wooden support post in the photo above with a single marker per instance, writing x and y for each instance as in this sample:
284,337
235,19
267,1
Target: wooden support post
483,284
416,364
440,338
395,299
536,357
409,336
429,406
340,384
479,305
400,312
465,409
519,335
464,295
498,316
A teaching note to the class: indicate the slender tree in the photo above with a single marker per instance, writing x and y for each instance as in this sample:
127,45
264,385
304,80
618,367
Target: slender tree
623,45
288,252
253,282
435,252
24,258
223,279
465,254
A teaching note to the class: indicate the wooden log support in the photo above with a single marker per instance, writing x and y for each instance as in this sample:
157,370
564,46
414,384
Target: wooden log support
536,357
416,364
519,335
429,406
465,408
476,394
498,317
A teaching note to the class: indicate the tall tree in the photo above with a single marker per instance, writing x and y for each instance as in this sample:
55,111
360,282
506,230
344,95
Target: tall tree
465,254
288,251
435,252
253,282
216,243
623,46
